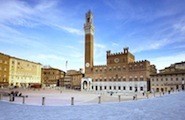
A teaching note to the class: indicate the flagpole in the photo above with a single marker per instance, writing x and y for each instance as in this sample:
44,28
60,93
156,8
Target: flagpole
66,65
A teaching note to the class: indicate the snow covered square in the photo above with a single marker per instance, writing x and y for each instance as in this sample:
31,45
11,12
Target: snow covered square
167,107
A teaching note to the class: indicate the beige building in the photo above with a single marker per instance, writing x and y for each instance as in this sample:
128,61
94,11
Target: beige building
23,72
170,78
73,79
52,76
121,72
4,69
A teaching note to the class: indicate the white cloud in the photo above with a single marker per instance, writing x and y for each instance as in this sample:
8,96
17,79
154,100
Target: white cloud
44,13
180,26
99,46
49,57
165,61
124,10
70,29
99,53
115,44
152,45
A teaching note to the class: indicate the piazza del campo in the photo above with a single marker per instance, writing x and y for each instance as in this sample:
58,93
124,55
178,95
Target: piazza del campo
121,79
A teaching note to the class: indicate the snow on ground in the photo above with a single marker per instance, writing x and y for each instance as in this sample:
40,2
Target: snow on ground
54,97
167,107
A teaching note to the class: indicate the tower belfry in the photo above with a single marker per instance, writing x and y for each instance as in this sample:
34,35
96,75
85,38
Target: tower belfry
89,41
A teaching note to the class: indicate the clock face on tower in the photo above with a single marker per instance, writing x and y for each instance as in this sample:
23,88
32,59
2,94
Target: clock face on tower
116,60
87,64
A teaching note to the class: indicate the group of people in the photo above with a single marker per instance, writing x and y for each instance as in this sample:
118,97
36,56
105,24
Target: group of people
14,94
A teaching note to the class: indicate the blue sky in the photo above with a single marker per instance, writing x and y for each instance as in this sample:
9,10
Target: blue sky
51,31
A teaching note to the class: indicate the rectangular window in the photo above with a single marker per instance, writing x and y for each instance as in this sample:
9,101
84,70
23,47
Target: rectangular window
124,88
96,87
105,87
119,87
100,87
110,87
114,68
114,87
141,88
130,87
141,79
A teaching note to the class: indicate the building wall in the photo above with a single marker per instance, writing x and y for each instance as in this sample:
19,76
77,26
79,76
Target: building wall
138,86
135,71
73,79
4,69
23,72
52,76
76,80
166,82
180,66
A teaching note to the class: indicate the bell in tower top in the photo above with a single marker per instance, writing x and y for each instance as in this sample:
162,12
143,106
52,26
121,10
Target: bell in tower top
88,26
89,17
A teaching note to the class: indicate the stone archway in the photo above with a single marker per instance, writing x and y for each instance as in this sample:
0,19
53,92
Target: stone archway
86,84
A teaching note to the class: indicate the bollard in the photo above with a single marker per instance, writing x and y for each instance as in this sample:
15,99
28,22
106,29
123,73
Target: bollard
1,96
147,95
23,100
119,98
135,96
72,100
99,99
11,98
43,100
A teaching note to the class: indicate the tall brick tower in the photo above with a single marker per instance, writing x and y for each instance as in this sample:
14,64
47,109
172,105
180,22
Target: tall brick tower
89,41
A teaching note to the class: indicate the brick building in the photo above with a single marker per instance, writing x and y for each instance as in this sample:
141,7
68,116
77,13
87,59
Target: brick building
52,76
4,69
72,79
121,72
